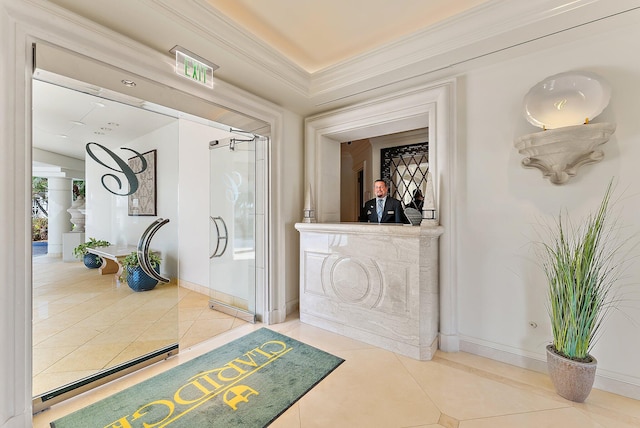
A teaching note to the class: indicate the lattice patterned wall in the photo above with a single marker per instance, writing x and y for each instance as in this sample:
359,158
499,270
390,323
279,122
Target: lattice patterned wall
405,169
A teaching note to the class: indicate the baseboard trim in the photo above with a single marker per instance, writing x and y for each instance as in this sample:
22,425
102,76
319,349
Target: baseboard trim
605,380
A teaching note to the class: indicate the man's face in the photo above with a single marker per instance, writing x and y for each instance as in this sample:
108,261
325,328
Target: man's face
380,189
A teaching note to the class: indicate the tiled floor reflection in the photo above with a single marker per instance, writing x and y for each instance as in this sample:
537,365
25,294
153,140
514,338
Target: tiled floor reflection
377,388
84,322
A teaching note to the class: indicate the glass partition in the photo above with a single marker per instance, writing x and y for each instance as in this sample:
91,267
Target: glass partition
89,321
134,164
232,229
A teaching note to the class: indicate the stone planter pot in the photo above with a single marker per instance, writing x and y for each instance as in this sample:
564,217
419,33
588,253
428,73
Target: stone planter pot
573,380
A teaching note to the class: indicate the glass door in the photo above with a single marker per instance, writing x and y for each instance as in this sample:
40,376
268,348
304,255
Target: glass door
91,325
232,215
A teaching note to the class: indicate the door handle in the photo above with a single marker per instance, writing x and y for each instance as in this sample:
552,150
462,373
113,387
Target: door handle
218,252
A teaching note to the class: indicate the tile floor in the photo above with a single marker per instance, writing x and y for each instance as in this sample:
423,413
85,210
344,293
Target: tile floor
377,388
84,322
373,388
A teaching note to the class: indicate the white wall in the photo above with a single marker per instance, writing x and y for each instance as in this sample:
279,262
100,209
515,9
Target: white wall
501,288
194,203
107,214
292,191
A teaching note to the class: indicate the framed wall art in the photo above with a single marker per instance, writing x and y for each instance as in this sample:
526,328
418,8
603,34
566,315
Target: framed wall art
143,201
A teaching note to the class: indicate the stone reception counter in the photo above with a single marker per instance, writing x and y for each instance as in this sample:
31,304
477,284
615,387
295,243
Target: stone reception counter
374,283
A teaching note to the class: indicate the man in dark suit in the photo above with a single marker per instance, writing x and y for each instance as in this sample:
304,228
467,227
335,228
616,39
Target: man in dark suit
383,208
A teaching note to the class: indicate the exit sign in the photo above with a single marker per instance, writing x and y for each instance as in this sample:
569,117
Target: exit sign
194,67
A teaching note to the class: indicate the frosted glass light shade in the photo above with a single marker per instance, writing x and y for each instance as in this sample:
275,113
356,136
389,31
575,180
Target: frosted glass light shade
566,99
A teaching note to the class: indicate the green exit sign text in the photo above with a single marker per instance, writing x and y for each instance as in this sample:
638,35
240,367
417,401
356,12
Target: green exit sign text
194,69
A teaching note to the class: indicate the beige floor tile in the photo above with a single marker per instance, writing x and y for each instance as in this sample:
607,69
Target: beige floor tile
165,330
45,357
87,358
373,388
190,314
322,339
498,369
184,326
121,333
599,401
370,389
203,329
87,311
289,419
464,395
141,315
191,299
615,420
73,336
376,388
560,418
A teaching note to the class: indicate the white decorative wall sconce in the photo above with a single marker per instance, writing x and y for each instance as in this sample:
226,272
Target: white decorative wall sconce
563,105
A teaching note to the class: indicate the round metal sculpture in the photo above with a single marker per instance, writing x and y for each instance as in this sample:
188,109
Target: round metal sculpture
143,250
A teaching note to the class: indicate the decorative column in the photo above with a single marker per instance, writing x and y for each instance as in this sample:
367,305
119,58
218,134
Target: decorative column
60,191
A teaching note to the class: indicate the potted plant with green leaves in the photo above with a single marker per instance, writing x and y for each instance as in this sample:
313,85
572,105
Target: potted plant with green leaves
91,261
581,265
135,277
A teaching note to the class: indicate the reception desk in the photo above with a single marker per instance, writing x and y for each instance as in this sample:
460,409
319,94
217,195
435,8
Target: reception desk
374,283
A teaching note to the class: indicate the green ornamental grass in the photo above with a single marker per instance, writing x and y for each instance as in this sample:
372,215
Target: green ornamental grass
581,271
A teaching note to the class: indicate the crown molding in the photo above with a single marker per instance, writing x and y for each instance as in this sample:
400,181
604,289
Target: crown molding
200,15
496,29
488,28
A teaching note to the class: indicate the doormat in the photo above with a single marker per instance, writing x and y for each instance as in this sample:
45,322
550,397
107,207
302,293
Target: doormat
246,383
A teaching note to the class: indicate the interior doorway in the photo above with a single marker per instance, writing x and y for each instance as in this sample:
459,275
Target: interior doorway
428,107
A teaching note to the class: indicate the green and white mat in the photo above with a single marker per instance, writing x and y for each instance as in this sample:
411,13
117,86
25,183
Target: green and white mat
247,383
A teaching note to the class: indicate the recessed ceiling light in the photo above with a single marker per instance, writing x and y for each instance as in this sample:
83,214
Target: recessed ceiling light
77,122
128,83
62,136
97,104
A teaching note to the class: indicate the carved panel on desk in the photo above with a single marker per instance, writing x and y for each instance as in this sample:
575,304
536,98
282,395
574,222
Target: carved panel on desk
312,269
365,283
353,281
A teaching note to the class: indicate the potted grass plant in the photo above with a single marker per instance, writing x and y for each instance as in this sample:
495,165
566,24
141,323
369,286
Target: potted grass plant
581,266
91,261
135,277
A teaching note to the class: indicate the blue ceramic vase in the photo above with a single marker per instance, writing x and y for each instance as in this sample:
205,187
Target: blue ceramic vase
140,281
92,261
